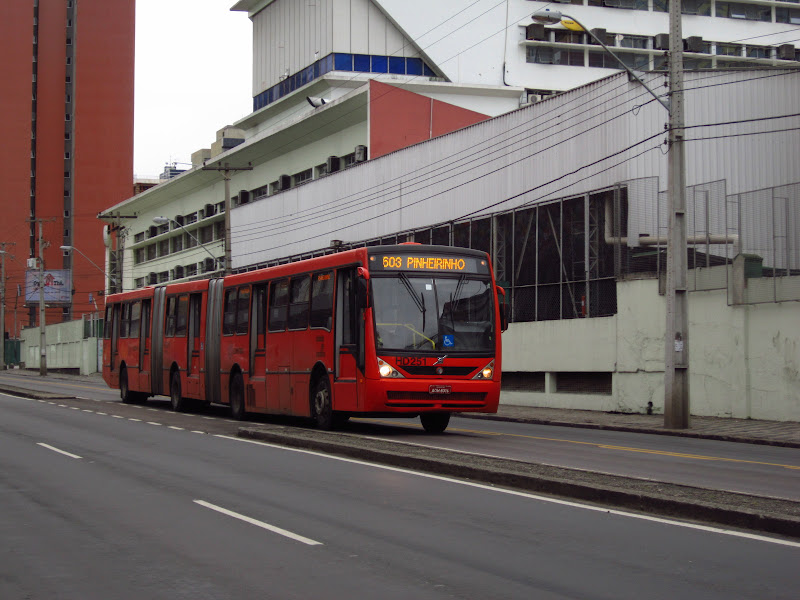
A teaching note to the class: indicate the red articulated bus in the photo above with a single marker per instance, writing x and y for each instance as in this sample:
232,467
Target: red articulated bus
398,331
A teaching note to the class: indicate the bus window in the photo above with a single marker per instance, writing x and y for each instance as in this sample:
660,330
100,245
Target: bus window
298,302
259,311
278,303
107,324
322,300
125,321
182,316
169,328
229,314
243,311
136,318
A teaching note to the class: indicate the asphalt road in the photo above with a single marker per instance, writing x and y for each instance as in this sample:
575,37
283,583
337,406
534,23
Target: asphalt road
97,504
767,471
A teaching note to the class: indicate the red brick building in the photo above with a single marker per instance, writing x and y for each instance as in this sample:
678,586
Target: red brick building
66,112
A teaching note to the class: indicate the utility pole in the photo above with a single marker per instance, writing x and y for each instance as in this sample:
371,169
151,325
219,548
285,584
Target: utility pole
226,175
42,324
676,367
3,303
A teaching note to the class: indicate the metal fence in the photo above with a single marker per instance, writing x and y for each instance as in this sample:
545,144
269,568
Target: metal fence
561,259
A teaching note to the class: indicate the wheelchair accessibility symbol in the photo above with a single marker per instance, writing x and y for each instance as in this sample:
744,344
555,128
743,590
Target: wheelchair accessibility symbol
448,341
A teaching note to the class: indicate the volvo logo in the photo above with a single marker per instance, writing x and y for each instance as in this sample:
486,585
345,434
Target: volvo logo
440,360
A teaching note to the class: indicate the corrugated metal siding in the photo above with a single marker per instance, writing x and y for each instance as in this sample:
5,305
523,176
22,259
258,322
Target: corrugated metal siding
583,140
292,34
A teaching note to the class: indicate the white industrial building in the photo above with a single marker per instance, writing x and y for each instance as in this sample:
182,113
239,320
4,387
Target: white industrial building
567,193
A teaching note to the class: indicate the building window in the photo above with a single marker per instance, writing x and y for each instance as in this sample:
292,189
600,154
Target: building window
748,12
787,15
139,282
696,7
301,177
759,52
260,193
729,50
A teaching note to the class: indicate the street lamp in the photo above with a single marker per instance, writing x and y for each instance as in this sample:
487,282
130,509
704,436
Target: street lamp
553,17
676,355
166,220
111,280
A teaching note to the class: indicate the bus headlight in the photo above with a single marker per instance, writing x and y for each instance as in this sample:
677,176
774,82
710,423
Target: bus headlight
387,370
486,372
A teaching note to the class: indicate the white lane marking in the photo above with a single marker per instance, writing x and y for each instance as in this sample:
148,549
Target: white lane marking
137,420
257,523
176,428
118,416
74,407
54,449
63,405
198,432
620,513
87,410
153,423
102,413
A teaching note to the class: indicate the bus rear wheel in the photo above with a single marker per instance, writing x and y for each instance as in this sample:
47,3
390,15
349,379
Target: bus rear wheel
321,409
176,400
237,398
435,422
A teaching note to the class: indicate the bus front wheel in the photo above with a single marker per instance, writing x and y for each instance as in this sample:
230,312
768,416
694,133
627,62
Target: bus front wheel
176,400
435,422
321,409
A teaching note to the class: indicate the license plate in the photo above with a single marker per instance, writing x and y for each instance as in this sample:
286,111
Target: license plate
439,389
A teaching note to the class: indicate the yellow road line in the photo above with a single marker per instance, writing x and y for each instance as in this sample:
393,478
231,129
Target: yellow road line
598,445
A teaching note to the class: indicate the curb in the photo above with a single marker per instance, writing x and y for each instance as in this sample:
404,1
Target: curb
33,394
633,429
731,509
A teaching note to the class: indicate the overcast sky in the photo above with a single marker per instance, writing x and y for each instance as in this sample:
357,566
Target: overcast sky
193,77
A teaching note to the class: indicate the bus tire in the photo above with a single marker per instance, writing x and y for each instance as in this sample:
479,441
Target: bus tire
176,400
125,393
321,409
435,422
238,411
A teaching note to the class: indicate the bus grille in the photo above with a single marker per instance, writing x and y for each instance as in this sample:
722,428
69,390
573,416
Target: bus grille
425,400
446,371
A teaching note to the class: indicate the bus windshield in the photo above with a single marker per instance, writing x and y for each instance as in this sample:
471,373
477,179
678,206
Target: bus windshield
421,313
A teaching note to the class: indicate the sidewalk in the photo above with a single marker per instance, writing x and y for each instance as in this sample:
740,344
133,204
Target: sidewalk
773,433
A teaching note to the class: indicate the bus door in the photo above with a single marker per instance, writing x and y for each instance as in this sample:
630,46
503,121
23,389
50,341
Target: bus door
194,347
114,338
347,345
144,346
256,396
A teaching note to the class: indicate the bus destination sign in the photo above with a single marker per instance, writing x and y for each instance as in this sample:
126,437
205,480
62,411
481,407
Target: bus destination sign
423,262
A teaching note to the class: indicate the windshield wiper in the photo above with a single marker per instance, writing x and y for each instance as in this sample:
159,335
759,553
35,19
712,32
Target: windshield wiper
410,289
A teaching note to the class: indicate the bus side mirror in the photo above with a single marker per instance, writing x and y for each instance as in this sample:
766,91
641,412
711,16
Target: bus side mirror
501,293
362,288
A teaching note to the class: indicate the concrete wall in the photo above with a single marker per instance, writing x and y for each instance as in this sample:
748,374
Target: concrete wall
66,348
744,359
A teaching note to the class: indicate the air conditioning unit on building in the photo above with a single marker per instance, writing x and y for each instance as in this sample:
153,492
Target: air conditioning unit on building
361,153
284,182
244,197
786,52
177,272
332,164
208,265
209,210
693,44
661,41
536,31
